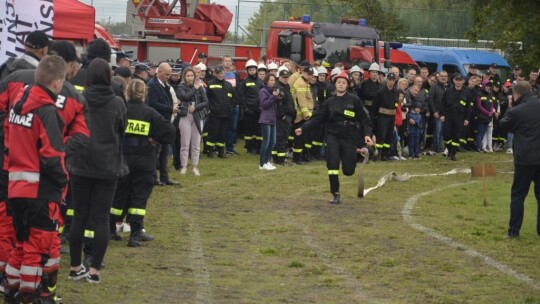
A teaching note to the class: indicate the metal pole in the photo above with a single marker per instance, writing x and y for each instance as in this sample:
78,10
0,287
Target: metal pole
263,38
237,20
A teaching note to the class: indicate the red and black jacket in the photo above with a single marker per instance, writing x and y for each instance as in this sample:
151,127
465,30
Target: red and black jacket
35,146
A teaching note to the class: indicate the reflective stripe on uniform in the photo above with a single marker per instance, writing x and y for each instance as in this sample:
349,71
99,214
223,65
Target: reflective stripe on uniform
258,138
283,154
89,234
317,143
307,146
31,271
115,211
333,172
216,86
274,152
220,144
52,262
79,88
229,95
210,144
31,177
297,150
386,146
379,146
70,212
138,127
136,211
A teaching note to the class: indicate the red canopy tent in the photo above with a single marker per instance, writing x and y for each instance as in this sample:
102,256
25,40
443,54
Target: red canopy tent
73,20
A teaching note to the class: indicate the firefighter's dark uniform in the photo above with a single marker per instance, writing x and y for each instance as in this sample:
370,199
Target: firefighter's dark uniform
248,97
221,97
368,91
134,189
304,108
455,107
384,113
319,133
284,116
343,116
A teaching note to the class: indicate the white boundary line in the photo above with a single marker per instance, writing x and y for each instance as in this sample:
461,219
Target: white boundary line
406,212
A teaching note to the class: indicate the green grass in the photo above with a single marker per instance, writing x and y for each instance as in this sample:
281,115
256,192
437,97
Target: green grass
240,235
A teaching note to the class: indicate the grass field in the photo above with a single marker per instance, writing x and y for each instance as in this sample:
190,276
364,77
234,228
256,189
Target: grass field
240,235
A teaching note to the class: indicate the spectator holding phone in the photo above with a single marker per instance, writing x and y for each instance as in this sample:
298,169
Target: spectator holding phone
269,97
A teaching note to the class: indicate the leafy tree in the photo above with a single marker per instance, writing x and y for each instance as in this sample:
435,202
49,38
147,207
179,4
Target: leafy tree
508,22
385,20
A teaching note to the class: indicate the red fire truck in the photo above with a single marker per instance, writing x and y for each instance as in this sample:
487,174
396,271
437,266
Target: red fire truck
170,35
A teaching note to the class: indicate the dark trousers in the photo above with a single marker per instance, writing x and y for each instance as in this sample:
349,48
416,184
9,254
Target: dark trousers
299,141
283,129
92,200
252,131
414,144
162,155
218,133
231,133
132,193
384,133
453,127
342,150
176,145
523,176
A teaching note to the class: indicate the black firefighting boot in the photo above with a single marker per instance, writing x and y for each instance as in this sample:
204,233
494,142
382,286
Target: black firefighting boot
337,199
221,153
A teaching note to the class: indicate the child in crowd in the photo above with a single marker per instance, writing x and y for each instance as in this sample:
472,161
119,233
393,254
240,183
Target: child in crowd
415,126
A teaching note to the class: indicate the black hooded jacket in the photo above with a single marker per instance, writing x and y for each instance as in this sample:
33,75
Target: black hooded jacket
102,158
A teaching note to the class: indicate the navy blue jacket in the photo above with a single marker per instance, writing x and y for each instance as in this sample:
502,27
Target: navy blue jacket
159,97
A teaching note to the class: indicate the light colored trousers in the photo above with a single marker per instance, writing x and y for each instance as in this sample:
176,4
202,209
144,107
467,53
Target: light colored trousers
189,137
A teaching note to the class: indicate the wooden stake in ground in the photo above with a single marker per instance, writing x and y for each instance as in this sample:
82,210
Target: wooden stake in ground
483,170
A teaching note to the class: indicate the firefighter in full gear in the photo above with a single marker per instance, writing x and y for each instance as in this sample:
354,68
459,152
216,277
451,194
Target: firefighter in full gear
455,111
145,127
319,133
384,113
343,114
284,116
248,97
222,99
304,109
37,179
370,87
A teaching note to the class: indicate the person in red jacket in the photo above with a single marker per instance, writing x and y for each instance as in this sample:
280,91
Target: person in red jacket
37,178
71,107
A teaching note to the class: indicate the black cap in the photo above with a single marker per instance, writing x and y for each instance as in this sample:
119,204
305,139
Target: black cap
179,61
391,76
65,50
36,40
493,65
176,70
488,72
304,63
458,76
153,64
141,67
121,56
219,69
98,48
284,73
473,66
517,67
202,55
308,70
122,71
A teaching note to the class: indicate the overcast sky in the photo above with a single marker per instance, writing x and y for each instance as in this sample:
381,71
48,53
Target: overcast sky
116,9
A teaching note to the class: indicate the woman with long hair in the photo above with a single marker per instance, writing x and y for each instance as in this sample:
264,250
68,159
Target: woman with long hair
193,112
95,170
269,97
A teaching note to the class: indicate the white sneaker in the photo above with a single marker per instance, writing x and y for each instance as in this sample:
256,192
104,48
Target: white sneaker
509,151
183,170
402,158
267,167
394,158
119,226
126,227
270,165
196,172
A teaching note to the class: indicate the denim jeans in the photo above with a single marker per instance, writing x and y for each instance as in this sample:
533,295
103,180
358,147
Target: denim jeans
437,135
510,141
231,133
481,129
269,140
